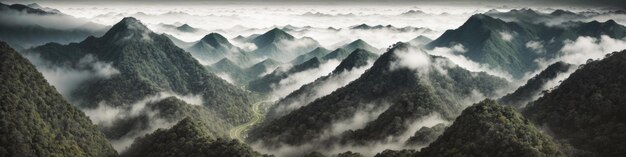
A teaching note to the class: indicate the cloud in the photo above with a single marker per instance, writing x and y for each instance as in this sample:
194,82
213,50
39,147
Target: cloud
67,78
454,54
585,48
327,86
296,80
536,46
105,115
506,36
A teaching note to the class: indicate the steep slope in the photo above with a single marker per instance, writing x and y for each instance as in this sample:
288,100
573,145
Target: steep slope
35,120
214,47
360,44
489,129
187,138
148,64
281,46
317,52
343,52
587,109
353,66
264,84
262,68
403,94
230,68
505,45
536,85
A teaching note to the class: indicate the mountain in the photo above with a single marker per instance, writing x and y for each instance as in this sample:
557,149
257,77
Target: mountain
389,28
360,44
187,138
186,28
214,47
401,94
264,84
420,40
426,135
35,120
318,52
148,64
281,46
489,129
536,85
586,109
503,45
358,58
343,52
22,34
262,68
231,69
348,70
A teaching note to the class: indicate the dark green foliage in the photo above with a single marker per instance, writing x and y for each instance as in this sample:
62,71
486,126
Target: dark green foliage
534,86
264,83
148,64
426,135
35,120
488,129
396,153
173,110
410,96
357,58
481,36
187,138
587,109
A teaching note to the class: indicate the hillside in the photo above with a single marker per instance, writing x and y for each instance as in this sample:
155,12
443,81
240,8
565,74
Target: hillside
35,120
407,92
187,138
490,129
586,109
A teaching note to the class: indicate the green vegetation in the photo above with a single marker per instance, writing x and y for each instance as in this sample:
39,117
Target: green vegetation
215,47
410,95
535,86
187,138
587,109
264,83
307,93
489,129
426,135
35,120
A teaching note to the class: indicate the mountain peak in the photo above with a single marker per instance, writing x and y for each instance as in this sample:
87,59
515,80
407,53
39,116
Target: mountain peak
272,36
360,43
215,40
129,28
357,58
186,28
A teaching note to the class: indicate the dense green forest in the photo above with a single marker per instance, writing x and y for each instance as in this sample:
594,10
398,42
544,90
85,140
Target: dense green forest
35,120
587,109
187,138
410,95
